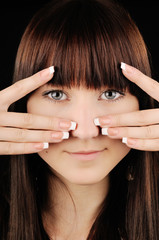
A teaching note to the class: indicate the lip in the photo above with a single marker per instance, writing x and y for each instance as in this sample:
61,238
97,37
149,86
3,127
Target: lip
86,155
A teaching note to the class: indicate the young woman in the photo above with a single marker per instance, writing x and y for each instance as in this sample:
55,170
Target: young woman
80,143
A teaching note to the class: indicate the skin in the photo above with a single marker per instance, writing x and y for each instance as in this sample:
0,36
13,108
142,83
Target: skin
82,106
20,132
86,180
140,127
23,133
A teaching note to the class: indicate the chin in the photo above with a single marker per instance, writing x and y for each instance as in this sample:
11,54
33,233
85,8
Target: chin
86,179
83,177
84,172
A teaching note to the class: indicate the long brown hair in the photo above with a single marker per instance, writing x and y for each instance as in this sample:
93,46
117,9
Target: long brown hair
85,40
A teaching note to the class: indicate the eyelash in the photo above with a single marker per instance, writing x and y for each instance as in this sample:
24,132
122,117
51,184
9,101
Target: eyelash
122,94
46,94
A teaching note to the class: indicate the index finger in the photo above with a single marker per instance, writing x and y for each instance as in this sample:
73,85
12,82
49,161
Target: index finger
137,118
149,85
23,87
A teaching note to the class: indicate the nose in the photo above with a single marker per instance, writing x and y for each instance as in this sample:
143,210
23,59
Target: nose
86,128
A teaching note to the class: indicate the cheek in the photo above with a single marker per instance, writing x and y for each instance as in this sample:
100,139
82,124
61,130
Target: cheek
36,106
132,104
39,106
122,106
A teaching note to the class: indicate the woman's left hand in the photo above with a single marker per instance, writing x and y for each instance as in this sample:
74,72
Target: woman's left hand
140,129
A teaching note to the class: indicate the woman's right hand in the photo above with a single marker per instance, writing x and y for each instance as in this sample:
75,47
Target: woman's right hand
23,133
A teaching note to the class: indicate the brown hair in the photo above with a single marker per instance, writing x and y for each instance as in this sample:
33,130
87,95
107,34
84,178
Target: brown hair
85,40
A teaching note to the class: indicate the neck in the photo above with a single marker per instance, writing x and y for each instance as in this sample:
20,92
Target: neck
73,208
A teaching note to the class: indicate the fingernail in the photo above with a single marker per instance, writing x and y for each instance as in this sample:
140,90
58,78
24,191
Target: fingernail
131,142
124,140
123,66
113,132
73,126
127,68
47,72
45,145
105,131
56,135
105,121
65,135
96,122
51,69
65,125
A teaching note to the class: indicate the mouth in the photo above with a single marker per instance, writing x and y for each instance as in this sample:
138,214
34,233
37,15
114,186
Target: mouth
86,155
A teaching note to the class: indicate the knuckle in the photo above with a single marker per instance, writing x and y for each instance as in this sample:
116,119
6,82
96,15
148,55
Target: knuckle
20,135
2,118
143,144
4,105
9,149
156,145
42,136
140,118
149,132
52,123
27,120
37,75
153,85
118,121
127,132
25,148
136,72
18,86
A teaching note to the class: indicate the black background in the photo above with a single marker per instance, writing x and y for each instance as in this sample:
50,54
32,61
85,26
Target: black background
15,16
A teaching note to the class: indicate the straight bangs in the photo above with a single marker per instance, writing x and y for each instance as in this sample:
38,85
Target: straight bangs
86,41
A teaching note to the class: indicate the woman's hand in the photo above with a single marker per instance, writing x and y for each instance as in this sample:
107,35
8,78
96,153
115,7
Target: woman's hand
22,133
140,129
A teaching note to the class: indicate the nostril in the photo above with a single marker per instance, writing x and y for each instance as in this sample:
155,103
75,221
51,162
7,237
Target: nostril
85,132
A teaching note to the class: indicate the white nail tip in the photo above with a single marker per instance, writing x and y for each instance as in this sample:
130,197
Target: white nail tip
46,145
73,126
96,122
105,131
124,140
65,135
123,66
52,69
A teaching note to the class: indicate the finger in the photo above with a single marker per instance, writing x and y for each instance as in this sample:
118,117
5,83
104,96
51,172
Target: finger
23,87
149,85
31,121
142,144
137,118
9,148
148,132
23,135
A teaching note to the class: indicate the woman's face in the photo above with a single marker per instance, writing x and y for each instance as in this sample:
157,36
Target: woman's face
82,106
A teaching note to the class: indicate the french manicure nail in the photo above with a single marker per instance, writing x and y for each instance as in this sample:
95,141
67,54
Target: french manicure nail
123,66
73,125
105,131
124,140
51,69
96,122
45,145
65,135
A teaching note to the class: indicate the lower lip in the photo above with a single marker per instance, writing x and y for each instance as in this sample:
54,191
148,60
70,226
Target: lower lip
85,156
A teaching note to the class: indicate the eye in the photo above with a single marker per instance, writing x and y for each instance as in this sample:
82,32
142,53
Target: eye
56,95
111,95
